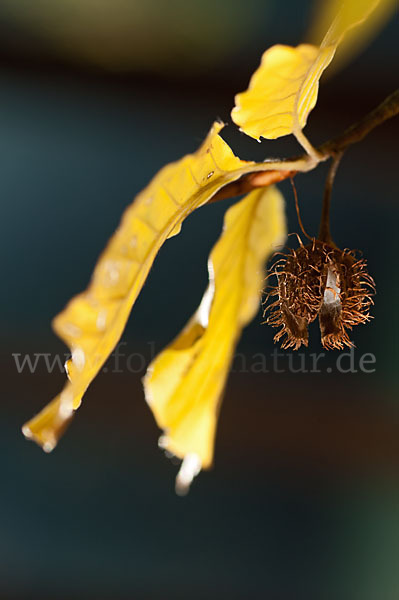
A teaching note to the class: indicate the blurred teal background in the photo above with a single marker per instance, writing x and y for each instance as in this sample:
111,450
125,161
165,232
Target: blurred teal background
303,499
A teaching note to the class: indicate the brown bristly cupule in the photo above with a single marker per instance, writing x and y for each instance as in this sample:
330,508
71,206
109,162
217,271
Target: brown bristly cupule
319,280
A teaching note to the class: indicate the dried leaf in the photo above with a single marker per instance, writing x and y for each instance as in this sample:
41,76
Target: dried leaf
283,90
184,384
93,321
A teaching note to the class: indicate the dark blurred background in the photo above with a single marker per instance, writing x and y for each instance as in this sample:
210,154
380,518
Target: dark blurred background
303,499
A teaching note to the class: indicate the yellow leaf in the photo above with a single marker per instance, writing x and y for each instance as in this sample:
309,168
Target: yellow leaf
283,90
93,321
184,384
359,37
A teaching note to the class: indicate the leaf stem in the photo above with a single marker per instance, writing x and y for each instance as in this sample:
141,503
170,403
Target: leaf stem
306,145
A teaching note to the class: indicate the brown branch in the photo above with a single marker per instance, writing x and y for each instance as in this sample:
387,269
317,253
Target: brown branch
355,133
324,232
251,182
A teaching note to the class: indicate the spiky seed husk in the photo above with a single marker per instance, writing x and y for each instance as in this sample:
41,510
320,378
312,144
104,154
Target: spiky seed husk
319,280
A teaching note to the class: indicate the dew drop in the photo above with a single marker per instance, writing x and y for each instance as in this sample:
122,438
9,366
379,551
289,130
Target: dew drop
66,404
78,358
101,320
72,330
65,412
112,272
190,467
48,446
27,432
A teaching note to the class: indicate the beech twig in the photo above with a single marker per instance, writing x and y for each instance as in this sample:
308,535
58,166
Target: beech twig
324,232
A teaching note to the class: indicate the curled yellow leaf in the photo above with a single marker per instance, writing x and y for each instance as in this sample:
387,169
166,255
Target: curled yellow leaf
283,90
93,321
185,382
